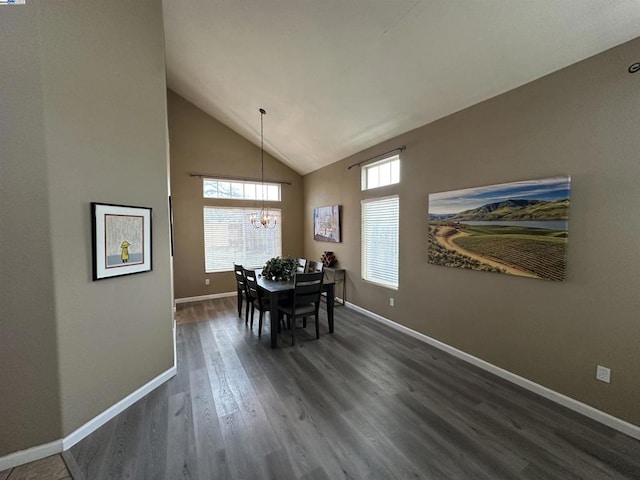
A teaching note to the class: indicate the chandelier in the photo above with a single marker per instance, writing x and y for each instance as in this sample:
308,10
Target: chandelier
262,219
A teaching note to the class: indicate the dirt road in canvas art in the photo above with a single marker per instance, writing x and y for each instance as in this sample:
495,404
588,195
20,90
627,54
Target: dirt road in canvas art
447,239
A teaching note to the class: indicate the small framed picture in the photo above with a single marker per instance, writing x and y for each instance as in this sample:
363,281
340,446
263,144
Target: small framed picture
121,240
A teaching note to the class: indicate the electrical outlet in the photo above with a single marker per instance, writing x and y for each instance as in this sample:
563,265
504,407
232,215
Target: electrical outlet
603,374
391,301
206,281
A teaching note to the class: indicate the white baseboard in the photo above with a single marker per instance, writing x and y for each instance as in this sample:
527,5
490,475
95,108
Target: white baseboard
95,423
30,455
175,344
206,297
58,446
568,402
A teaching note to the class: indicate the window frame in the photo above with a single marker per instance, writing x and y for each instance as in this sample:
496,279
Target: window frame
260,196
368,169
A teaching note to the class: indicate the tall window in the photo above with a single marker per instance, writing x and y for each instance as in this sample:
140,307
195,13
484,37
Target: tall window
229,238
380,240
379,174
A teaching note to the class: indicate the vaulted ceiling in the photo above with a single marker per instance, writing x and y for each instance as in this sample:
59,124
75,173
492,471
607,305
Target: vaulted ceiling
339,76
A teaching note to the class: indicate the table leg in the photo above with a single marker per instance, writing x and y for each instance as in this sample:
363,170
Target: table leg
330,302
273,320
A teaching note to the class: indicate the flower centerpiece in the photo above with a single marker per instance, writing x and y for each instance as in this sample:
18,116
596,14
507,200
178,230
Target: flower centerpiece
280,268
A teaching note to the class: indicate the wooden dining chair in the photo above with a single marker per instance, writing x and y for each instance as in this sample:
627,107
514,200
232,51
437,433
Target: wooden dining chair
241,286
305,302
313,266
302,265
256,299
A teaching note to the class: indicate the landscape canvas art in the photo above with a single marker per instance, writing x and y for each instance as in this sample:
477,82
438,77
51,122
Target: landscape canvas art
518,228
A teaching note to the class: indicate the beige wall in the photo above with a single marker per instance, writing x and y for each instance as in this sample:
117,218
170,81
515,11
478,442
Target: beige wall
96,121
199,143
581,121
29,382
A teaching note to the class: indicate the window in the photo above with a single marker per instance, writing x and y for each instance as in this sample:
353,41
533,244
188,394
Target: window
240,190
379,174
229,238
380,240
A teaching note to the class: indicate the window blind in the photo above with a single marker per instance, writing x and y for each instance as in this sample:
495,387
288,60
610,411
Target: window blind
229,238
380,240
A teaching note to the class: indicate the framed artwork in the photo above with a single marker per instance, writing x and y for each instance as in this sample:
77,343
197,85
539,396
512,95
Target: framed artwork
518,228
171,223
326,224
121,237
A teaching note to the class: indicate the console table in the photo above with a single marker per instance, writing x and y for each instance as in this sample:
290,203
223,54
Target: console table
337,275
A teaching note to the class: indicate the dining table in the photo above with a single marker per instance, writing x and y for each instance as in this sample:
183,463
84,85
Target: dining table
279,289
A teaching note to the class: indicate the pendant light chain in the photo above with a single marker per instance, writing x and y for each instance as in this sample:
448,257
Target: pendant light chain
262,219
262,114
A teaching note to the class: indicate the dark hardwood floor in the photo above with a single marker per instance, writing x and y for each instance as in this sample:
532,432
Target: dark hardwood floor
365,402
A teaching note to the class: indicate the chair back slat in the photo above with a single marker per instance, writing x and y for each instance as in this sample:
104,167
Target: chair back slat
302,265
240,280
252,283
313,266
307,288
